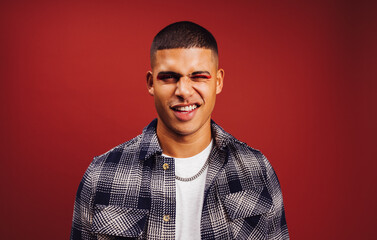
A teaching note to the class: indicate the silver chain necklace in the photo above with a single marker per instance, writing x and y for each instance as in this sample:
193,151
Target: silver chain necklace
196,175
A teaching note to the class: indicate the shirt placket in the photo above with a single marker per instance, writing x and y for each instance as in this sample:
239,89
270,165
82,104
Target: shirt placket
167,204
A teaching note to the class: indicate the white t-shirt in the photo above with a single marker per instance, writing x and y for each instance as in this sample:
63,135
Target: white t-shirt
189,195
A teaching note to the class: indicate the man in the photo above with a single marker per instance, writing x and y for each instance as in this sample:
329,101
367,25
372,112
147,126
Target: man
184,177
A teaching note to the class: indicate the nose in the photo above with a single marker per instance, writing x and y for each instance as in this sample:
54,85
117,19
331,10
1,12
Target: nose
184,87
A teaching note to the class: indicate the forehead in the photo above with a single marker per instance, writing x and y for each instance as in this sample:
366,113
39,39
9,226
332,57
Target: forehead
184,59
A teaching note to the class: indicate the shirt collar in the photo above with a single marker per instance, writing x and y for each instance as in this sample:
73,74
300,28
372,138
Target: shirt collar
150,146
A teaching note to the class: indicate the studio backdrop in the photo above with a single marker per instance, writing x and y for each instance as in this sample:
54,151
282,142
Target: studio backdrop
300,85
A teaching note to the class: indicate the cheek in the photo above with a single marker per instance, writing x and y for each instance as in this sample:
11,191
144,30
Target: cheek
206,90
162,91
162,96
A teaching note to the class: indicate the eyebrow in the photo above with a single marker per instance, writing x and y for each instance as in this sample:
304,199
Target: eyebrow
174,73
168,73
200,72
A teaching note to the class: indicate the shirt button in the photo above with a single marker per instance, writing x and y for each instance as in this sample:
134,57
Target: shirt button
166,218
165,166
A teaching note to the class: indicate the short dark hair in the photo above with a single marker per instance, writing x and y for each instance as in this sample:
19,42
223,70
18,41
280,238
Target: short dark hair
183,34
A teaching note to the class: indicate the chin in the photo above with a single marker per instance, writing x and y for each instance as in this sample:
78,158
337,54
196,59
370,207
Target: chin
184,131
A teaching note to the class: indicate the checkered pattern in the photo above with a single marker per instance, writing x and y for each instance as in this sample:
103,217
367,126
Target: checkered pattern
125,193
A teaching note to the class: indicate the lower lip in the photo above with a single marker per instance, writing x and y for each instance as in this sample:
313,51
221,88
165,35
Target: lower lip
185,116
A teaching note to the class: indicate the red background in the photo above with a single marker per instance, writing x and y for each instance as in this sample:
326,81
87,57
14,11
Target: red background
300,85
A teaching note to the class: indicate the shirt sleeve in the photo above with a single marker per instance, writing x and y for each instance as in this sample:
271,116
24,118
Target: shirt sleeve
278,229
83,209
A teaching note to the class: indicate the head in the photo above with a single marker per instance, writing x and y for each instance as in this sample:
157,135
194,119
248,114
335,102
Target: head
185,78
183,35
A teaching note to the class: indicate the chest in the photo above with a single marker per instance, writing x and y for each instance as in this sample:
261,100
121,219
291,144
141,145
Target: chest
142,203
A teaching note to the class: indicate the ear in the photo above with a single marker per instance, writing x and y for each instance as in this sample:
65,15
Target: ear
219,80
150,83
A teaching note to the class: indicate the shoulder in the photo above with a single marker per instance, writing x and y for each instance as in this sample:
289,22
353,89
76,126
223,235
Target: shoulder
245,151
246,157
114,173
121,157
247,167
119,153
141,147
251,167
239,154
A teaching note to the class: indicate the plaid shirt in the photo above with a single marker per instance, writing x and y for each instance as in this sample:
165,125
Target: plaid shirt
128,193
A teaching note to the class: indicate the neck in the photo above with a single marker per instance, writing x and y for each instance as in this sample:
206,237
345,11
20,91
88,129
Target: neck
183,146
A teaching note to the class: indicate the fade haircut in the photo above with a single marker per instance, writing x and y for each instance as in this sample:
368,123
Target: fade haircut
183,34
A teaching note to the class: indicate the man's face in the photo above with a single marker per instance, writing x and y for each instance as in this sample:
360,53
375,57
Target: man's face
184,83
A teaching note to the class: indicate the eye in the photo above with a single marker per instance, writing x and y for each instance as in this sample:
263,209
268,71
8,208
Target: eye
168,77
200,77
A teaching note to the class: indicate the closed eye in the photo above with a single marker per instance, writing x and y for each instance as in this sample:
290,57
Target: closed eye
201,76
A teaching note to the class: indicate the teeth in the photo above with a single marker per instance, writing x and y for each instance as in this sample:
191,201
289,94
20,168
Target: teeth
186,108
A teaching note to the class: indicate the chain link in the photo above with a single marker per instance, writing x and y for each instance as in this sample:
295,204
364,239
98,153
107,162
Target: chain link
195,176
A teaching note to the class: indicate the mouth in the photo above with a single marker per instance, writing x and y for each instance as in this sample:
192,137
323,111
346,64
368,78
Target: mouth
185,108
185,112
